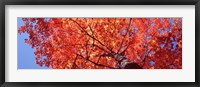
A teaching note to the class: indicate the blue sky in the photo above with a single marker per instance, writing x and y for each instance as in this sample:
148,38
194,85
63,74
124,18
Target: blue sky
26,56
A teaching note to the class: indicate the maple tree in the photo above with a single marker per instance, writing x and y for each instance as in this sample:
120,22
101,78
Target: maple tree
105,43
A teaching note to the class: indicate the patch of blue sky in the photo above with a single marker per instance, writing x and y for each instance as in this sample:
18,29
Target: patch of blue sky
161,19
26,56
152,63
123,31
148,37
148,30
137,30
152,52
171,21
47,19
174,44
152,24
44,57
171,38
167,29
35,23
162,45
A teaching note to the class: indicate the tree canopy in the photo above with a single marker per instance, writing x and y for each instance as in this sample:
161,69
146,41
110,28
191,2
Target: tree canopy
105,43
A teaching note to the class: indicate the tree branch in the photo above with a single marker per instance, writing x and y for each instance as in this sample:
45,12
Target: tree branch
73,66
125,35
82,29
95,63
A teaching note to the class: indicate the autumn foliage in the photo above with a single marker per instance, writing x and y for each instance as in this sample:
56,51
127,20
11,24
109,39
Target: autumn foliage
105,43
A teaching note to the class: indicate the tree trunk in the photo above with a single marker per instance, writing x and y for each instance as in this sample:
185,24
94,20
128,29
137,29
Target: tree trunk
132,66
124,63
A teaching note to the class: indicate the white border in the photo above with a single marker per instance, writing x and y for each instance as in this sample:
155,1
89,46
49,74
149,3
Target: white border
187,74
